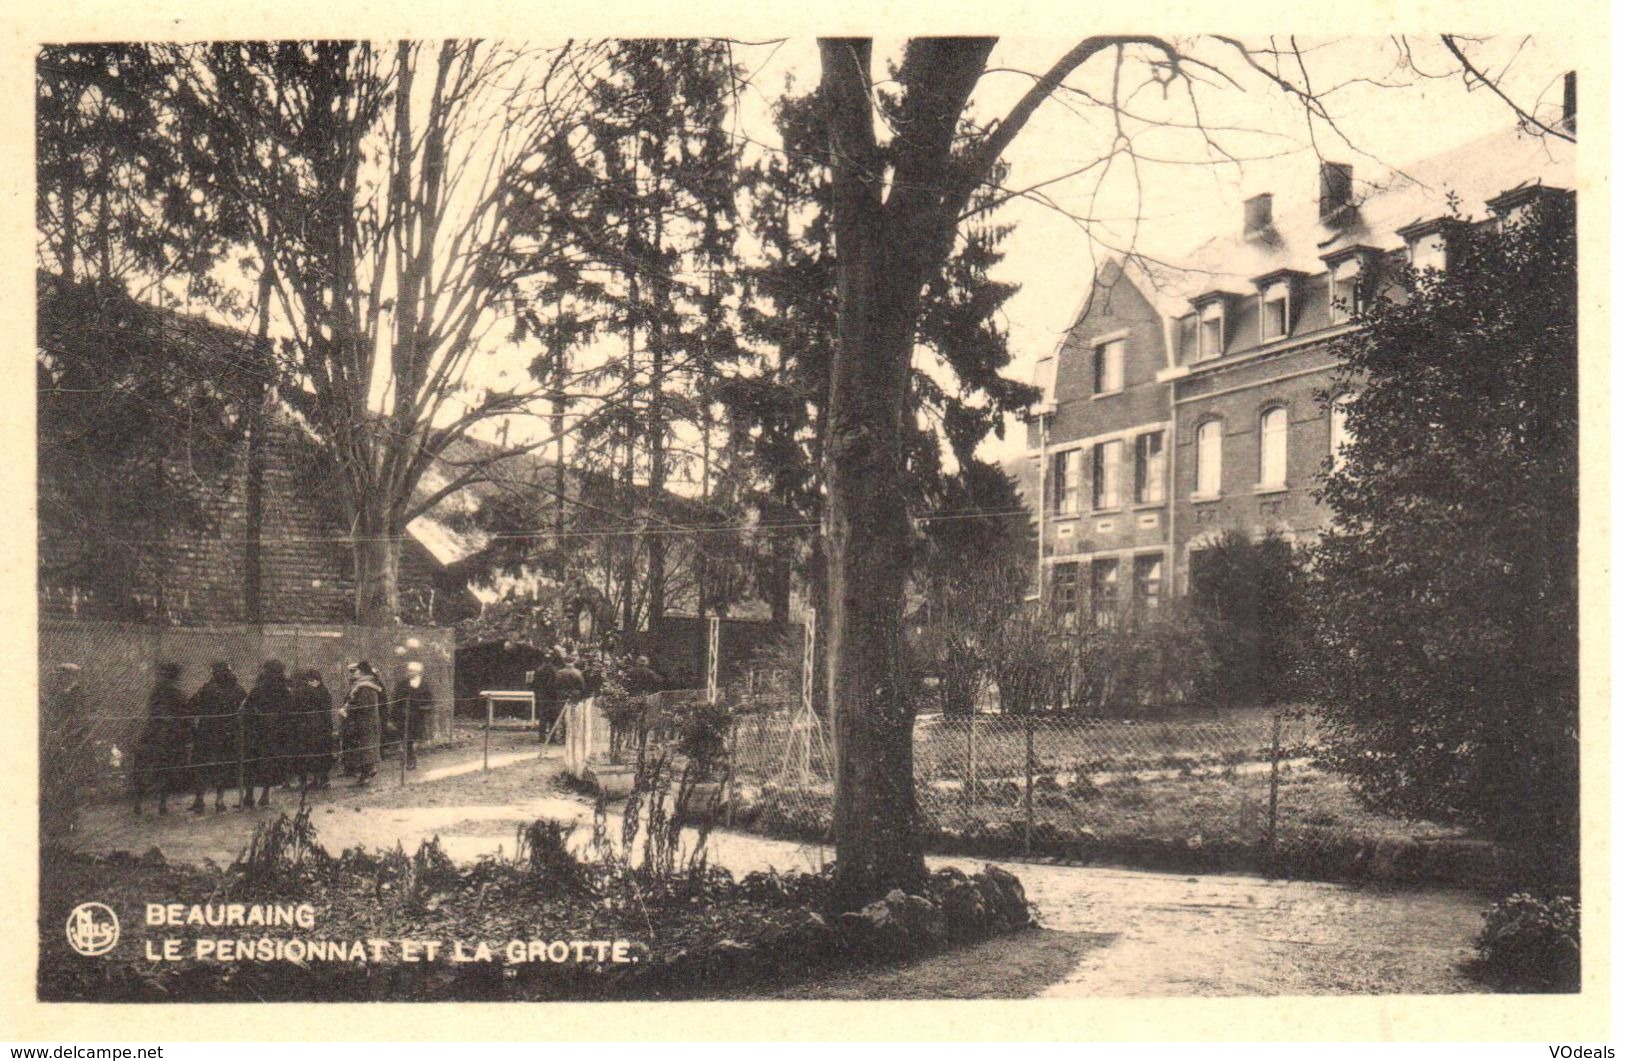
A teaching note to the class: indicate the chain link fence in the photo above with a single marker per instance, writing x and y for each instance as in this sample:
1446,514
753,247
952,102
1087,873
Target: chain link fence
1239,792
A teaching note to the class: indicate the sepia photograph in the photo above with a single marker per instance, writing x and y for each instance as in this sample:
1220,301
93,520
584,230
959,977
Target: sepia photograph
785,518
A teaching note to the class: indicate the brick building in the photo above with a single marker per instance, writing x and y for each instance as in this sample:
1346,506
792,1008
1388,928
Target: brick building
1195,399
273,547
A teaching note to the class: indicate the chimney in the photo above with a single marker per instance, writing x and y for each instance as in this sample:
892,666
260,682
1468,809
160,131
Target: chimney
1568,100
1336,188
1256,218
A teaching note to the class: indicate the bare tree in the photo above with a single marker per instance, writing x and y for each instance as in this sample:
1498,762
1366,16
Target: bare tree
898,204
380,188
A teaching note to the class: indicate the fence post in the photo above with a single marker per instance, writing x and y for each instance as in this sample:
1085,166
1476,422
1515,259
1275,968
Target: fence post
487,764
970,764
1275,787
1027,834
242,776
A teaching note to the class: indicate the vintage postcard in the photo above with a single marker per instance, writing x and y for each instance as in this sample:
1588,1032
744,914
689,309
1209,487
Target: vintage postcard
700,516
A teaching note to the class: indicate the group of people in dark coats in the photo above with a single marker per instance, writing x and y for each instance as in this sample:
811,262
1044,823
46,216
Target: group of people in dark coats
281,730
566,677
556,682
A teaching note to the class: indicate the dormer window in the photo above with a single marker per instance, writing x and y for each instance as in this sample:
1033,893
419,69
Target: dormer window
1345,290
1273,318
1347,268
1512,207
1428,243
1275,307
1428,252
1212,335
1210,328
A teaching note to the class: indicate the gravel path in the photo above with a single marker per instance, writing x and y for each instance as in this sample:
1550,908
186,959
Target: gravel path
1156,934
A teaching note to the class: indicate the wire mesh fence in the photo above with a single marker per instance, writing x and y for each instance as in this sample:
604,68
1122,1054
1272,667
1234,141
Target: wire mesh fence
1241,791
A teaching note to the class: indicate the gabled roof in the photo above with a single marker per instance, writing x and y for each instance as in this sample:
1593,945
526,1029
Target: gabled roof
1388,201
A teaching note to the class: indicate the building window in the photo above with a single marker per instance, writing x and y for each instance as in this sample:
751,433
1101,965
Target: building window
1066,590
1109,367
1345,290
1272,447
1108,458
1212,331
1428,252
1103,592
1150,467
1147,581
1187,339
1340,436
1067,470
1209,458
1273,318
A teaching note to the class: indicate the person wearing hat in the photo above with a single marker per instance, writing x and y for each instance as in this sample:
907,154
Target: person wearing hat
541,687
166,736
362,731
266,737
414,711
569,685
642,679
213,713
312,708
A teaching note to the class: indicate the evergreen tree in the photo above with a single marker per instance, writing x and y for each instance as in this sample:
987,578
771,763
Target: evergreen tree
1447,586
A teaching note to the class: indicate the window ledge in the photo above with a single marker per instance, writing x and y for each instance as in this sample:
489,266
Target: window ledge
1168,375
1105,394
1200,499
1144,505
1065,515
1106,511
1271,488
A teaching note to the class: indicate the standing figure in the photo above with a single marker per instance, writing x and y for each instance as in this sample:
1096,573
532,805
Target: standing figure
165,743
265,736
568,684
312,708
361,722
541,686
217,735
642,679
414,710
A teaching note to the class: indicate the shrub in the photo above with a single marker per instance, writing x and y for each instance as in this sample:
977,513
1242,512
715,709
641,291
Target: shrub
1249,596
1153,661
702,735
1444,592
1531,945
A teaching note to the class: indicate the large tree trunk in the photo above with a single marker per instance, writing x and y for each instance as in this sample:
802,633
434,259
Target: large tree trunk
867,530
895,216
869,536
377,571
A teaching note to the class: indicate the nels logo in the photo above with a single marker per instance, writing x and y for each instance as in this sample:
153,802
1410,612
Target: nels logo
92,929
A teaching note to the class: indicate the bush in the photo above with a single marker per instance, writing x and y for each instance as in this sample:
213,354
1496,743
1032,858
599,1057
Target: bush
1249,596
1531,945
1155,661
1444,592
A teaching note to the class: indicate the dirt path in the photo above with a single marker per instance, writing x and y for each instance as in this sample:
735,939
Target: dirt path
1138,933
